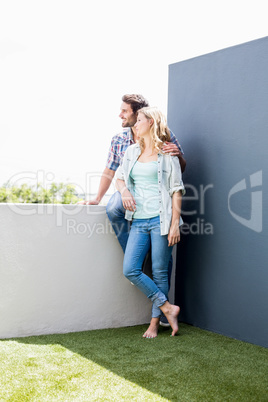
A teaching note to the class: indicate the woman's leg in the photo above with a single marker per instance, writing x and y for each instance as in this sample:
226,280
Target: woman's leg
137,247
171,312
160,255
139,243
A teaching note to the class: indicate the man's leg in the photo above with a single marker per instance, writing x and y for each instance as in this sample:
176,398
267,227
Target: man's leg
147,267
116,214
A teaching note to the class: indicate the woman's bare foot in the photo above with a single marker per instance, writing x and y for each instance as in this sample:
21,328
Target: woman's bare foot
152,331
171,312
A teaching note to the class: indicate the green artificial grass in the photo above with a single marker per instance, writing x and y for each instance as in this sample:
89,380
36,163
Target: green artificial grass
120,365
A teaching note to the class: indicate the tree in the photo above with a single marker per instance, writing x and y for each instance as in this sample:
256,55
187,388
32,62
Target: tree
56,194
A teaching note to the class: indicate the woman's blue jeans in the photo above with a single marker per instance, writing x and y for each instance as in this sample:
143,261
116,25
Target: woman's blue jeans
116,214
145,233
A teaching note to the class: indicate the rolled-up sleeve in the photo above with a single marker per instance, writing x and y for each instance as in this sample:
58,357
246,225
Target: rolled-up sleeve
113,160
175,141
120,173
176,183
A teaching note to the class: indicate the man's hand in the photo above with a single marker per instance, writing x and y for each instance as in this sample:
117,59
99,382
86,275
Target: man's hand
92,202
106,179
172,148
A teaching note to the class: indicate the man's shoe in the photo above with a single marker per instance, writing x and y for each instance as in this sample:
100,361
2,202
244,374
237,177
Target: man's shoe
164,322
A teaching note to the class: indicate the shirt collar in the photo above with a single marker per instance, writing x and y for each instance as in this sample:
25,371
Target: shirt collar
129,135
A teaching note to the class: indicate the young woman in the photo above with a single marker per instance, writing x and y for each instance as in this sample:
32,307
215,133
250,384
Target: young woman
151,187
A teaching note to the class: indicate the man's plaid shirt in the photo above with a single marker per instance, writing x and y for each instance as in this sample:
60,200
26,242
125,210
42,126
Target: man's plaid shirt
121,142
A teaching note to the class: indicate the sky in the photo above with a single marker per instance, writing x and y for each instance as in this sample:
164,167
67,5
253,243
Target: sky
64,66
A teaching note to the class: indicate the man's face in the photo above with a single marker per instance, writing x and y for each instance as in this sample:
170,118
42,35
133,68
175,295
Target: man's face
128,117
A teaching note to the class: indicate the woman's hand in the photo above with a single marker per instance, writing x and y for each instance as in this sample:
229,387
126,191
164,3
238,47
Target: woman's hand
128,200
174,234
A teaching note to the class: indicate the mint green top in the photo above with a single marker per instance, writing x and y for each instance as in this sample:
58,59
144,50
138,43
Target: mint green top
169,182
145,179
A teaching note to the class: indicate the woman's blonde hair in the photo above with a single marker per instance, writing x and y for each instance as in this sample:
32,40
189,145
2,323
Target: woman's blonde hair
159,131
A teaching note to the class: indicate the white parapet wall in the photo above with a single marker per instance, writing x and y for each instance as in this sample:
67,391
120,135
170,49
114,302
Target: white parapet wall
61,271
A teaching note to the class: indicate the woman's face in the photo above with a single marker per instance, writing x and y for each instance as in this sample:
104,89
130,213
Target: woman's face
143,125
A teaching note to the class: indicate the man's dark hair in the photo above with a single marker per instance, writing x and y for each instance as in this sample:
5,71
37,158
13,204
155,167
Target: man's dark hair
135,101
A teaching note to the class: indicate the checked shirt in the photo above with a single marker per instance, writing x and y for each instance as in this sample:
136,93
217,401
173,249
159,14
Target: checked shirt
121,142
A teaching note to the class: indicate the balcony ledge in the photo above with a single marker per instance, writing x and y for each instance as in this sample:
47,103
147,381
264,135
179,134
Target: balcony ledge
61,271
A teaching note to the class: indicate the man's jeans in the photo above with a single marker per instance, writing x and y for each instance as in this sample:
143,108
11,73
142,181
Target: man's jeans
145,233
116,214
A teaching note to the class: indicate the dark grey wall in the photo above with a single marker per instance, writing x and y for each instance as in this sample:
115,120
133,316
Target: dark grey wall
218,108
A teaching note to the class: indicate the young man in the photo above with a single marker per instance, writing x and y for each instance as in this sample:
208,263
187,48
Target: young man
120,142
131,103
